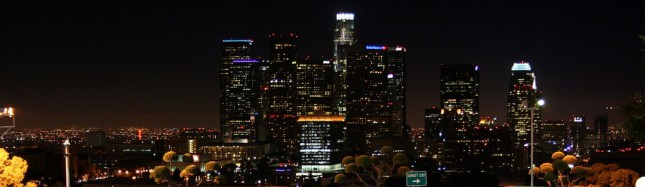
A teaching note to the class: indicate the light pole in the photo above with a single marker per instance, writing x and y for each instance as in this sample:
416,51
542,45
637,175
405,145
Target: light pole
66,148
539,103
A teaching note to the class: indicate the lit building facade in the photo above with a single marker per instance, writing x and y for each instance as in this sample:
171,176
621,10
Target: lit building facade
232,50
344,38
375,94
600,127
314,87
460,91
242,97
280,119
322,141
466,141
522,96
553,135
579,135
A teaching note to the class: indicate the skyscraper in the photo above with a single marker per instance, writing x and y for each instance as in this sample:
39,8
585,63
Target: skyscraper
344,38
232,50
322,141
375,93
600,127
579,135
553,135
314,87
522,96
460,91
465,139
281,119
242,97
432,120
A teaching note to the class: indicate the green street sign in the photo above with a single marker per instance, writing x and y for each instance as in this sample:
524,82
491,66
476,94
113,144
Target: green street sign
416,178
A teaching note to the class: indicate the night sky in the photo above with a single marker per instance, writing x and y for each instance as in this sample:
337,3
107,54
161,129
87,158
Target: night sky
154,64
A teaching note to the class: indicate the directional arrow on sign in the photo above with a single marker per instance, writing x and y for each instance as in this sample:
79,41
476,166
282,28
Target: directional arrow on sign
416,181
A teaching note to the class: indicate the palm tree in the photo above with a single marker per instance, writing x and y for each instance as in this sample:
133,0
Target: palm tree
635,124
169,157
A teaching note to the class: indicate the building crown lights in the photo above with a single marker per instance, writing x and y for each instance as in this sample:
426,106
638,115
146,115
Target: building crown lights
345,16
521,66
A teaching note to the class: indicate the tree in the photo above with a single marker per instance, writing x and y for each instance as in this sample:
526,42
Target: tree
635,124
212,166
187,158
188,172
340,178
12,169
375,169
160,174
559,174
169,157
611,175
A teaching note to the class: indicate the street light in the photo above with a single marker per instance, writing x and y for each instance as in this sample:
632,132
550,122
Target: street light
66,149
540,102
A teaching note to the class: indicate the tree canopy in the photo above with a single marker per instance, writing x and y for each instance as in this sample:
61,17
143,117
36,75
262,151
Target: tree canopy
12,169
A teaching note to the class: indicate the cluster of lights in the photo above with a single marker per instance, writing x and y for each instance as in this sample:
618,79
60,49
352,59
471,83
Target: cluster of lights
7,112
345,16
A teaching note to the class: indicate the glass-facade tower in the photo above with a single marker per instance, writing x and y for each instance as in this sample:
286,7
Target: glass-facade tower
344,38
232,50
522,96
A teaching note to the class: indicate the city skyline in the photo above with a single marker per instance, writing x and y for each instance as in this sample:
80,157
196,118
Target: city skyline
101,66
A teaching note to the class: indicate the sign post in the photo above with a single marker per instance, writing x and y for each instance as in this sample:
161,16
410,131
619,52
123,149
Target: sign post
416,178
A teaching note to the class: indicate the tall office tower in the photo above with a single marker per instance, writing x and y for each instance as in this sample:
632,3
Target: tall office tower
322,141
460,91
242,96
262,92
281,118
434,135
600,127
464,136
432,120
522,96
501,150
553,136
375,94
578,135
232,49
396,83
314,87
344,38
